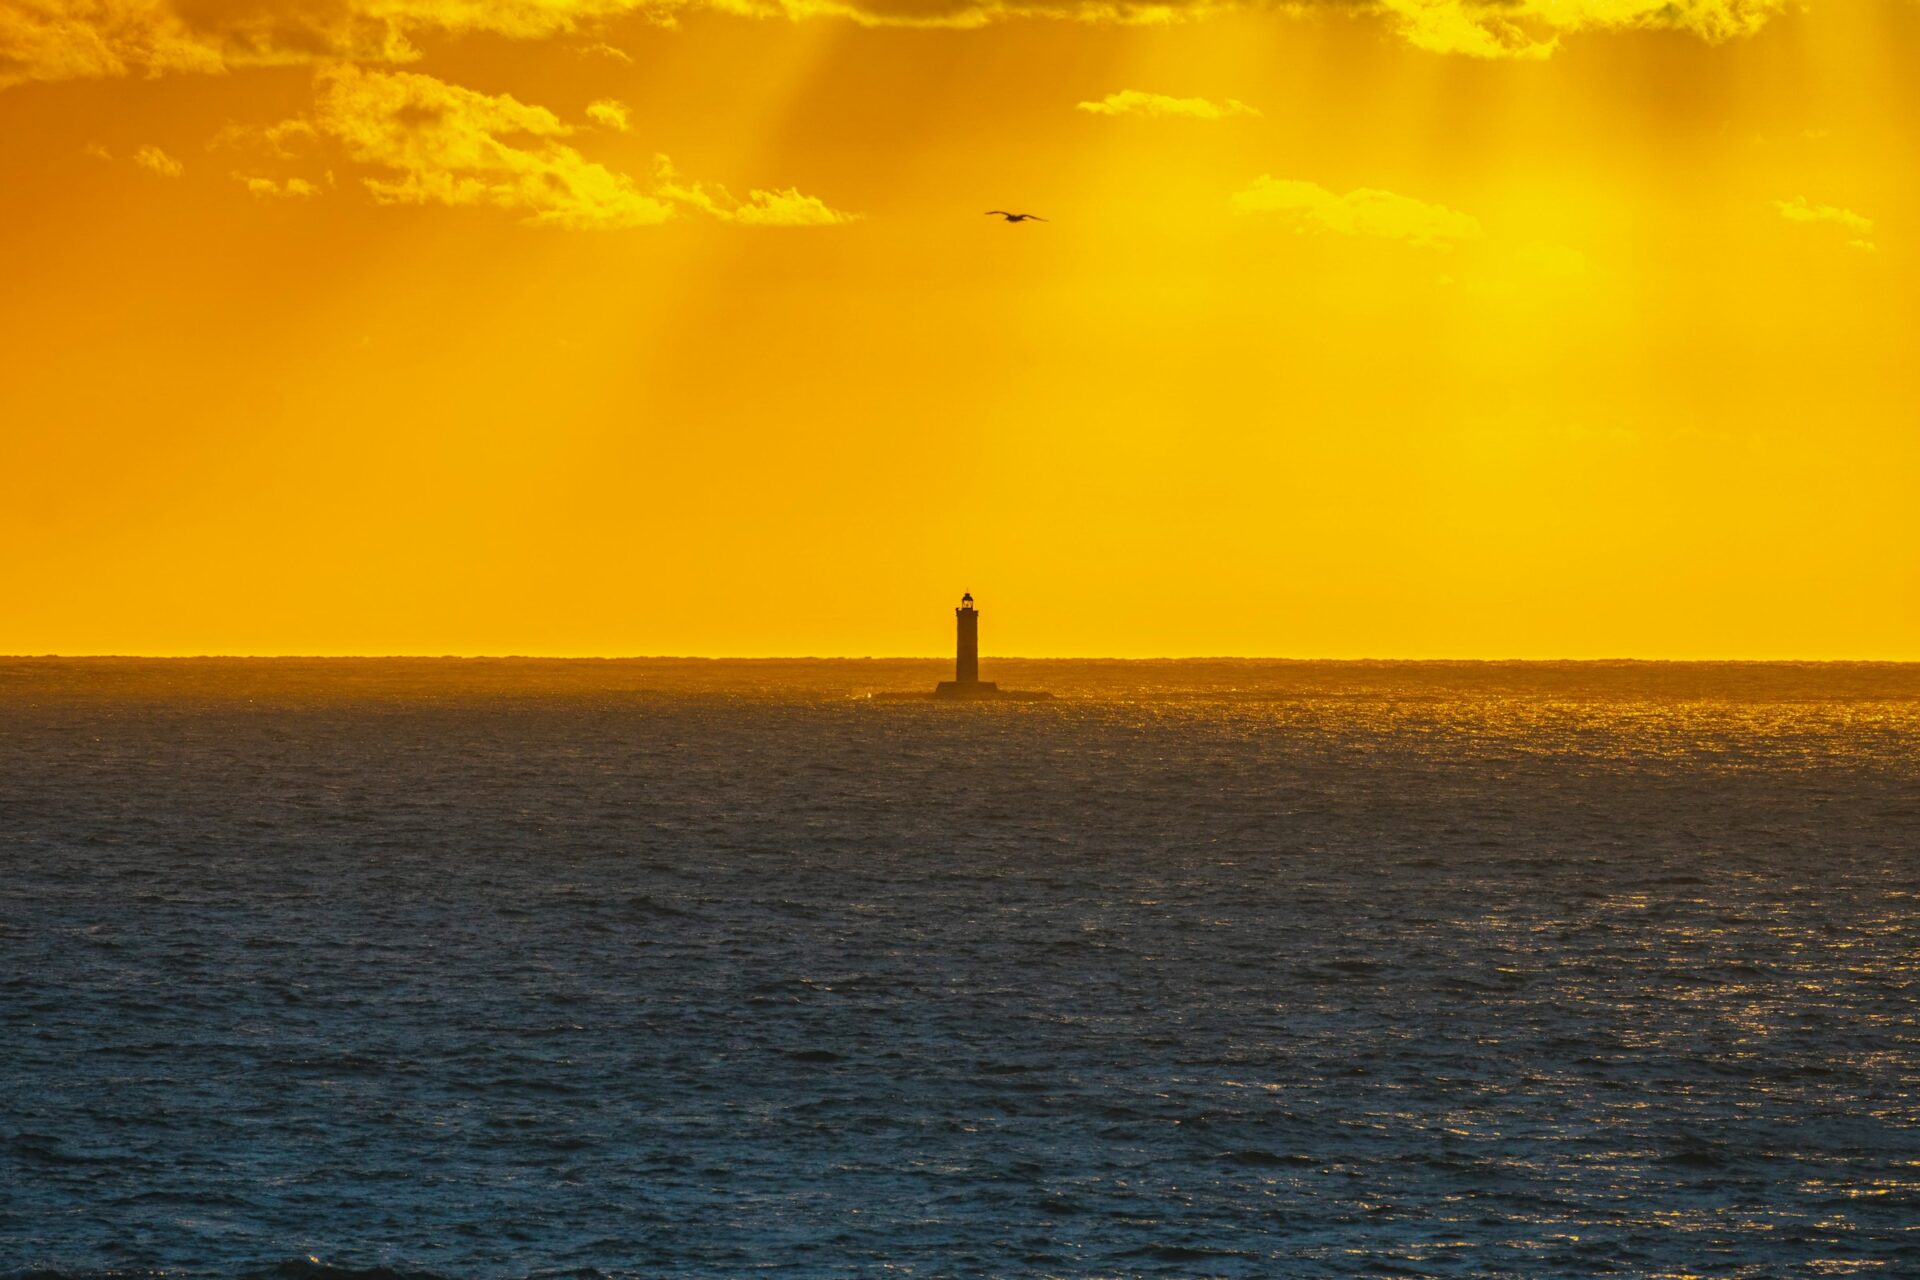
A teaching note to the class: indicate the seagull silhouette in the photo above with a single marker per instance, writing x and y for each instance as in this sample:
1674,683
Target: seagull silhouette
1014,217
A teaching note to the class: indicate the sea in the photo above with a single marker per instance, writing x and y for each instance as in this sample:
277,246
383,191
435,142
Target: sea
490,969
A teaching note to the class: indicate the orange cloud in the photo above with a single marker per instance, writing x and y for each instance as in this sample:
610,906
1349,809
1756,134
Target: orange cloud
73,39
611,114
1307,206
437,143
269,189
787,208
1856,226
1132,102
423,141
1532,28
158,162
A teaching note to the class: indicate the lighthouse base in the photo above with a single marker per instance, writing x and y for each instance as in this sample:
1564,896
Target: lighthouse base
985,691
966,689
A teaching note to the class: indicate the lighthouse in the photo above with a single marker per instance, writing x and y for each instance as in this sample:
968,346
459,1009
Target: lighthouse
966,657
966,682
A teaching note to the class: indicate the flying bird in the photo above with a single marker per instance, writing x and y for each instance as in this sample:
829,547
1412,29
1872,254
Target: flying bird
1015,217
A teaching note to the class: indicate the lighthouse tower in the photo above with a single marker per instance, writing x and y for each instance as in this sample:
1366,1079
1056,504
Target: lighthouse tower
966,658
966,682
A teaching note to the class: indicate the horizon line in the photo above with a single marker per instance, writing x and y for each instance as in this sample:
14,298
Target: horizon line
1615,659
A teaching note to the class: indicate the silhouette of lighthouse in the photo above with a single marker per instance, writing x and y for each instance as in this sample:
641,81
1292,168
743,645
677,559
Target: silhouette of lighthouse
966,658
966,682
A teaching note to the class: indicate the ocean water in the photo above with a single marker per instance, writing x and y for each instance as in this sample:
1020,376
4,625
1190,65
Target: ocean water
512,968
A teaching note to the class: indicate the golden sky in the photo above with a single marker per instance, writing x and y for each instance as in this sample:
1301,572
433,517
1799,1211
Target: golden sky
1552,328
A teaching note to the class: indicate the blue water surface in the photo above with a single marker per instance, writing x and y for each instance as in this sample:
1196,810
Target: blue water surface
669,969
